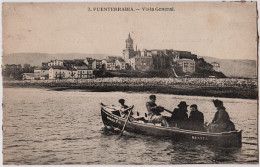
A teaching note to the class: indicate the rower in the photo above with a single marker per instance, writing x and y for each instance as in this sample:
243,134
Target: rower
154,112
123,112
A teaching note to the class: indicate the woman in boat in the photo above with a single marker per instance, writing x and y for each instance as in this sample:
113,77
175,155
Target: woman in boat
221,121
154,112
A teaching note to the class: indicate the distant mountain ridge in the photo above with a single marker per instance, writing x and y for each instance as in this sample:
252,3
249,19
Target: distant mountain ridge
36,59
230,67
236,67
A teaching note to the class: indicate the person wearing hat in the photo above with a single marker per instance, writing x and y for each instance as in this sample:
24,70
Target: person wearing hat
196,118
179,116
154,112
221,121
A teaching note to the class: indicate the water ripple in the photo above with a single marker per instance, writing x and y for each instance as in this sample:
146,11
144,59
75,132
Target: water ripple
65,127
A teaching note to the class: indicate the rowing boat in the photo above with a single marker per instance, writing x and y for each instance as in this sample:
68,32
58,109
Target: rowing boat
223,139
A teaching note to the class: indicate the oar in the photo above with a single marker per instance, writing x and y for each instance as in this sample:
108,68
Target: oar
167,110
130,110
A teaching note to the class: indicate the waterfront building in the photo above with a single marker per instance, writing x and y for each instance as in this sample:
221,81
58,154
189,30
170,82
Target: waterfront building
216,66
77,72
72,73
40,73
28,76
84,72
56,72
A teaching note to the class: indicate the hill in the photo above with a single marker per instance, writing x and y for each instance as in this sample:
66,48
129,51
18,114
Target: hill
236,68
36,59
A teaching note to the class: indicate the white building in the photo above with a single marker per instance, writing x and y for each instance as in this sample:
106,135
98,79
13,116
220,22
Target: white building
216,66
40,73
58,73
84,72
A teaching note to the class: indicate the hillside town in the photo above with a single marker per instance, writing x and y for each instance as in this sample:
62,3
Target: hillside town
180,63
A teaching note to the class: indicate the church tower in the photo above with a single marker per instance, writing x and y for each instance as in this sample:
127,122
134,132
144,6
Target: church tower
128,52
129,42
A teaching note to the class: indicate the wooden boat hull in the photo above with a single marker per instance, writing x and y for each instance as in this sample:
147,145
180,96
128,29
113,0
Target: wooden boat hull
225,139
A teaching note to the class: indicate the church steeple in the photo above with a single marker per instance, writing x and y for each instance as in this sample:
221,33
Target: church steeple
129,42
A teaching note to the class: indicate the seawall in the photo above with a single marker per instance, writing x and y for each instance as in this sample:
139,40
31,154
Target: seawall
223,87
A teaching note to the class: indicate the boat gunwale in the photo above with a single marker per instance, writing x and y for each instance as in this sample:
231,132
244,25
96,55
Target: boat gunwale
175,129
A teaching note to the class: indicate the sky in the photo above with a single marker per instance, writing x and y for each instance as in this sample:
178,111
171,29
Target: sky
226,30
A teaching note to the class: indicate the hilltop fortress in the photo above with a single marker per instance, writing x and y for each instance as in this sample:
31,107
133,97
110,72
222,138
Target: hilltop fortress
145,60
179,62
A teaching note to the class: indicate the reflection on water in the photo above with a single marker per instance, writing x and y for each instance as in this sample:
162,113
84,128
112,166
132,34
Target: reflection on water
64,127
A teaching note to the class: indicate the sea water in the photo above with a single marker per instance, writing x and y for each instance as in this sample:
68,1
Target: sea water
42,126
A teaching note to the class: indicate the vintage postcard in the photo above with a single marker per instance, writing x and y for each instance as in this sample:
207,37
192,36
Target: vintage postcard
141,83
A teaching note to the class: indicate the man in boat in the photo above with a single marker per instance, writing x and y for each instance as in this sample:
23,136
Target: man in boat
196,118
154,112
123,112
179,116
221,121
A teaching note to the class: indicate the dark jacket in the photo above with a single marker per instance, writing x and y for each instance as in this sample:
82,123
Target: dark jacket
221,116
221,122
179,117
196,120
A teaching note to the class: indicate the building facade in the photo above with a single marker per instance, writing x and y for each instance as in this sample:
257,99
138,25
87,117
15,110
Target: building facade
97,65
58,73
41,73
109,64
141,63
186,65
84,72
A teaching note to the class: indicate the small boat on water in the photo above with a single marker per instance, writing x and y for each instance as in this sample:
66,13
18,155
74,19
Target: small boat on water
223,139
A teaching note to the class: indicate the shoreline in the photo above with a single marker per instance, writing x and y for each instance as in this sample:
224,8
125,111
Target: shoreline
248,90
